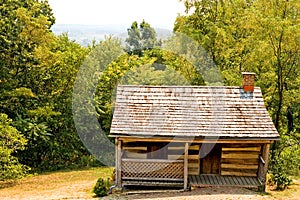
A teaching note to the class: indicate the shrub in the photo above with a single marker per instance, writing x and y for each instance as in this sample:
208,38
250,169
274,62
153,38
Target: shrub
101,188
279,175
11,141
281,180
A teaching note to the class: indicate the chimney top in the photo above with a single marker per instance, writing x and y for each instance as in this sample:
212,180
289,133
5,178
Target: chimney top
248,81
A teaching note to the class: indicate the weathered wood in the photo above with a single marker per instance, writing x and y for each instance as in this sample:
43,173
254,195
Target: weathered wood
134,148
239,155
234,173
116,163
193,172
193,165
153,183
211,156
242,145
186,157
256,149
119,163
206,180
152,160
194,147
263,167
192,139
190,114
244,161
152,179
181,152
135,155
142,109
236,166
239,161
152,169
181,157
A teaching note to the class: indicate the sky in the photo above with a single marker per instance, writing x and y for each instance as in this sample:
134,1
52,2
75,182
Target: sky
158,13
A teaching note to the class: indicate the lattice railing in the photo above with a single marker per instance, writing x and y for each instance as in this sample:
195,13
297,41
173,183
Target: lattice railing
152,169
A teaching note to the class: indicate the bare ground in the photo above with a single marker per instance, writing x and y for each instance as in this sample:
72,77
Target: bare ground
79,184
197,193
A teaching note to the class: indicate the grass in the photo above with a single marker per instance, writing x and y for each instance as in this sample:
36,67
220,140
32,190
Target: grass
58,185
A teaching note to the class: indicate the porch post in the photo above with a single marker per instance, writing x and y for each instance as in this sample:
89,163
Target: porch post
186,156
263,166
119,163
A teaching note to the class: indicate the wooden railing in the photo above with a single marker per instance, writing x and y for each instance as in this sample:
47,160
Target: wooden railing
152,170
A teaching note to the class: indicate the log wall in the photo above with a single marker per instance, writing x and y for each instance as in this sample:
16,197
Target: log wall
240,159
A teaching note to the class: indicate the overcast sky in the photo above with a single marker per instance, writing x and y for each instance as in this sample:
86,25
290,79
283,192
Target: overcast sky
159,13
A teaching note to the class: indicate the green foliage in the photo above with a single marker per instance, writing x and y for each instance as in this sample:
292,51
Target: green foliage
279,175
101,188
262,37
37,74
152,67
11,141
141,37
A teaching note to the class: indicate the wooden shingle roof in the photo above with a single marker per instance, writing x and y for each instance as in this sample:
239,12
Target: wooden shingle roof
191,111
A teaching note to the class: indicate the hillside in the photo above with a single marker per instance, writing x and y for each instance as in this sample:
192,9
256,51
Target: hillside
85,34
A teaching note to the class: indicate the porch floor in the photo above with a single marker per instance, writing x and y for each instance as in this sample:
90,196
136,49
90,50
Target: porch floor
207,180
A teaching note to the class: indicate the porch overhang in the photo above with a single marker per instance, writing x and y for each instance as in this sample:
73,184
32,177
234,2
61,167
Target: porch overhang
132,138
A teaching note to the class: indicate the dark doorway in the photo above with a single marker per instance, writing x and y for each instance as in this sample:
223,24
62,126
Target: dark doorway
210,155
157,151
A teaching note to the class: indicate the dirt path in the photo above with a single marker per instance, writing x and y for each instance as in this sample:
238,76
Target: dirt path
198,193
79,184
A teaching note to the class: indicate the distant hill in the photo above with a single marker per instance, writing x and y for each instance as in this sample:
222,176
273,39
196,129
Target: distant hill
85,34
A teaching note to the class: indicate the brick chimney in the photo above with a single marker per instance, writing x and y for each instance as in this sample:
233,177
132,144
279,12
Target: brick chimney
248,81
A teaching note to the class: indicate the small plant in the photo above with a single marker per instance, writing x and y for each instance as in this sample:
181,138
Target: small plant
281,180
101,188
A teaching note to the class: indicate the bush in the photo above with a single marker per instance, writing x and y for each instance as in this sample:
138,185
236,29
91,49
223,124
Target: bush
279,175
281,180
11,141
101,188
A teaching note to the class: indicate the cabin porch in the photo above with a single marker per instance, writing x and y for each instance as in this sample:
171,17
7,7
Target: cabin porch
184,164
209,180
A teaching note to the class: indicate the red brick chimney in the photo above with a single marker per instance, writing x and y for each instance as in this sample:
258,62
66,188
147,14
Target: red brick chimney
248,81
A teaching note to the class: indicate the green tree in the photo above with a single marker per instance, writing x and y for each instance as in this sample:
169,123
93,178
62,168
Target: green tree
259,36
11,141
37,74
141,37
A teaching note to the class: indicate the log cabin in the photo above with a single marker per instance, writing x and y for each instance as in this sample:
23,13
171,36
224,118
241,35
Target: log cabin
182,136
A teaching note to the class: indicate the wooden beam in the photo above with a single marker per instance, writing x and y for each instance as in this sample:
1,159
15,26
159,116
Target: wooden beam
186,157
239,155
151,160
238,166
119,163
263,167
116,162
193,140
236,173
152,179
